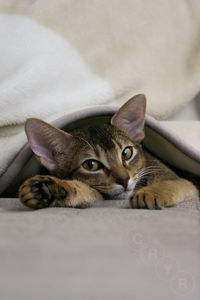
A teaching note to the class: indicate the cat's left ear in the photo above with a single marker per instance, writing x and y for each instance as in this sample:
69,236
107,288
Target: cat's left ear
47,142
131,117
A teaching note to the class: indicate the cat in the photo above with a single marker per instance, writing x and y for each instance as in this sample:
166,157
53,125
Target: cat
101,161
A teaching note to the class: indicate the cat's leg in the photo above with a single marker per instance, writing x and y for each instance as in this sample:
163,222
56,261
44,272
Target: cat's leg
164,193
48,191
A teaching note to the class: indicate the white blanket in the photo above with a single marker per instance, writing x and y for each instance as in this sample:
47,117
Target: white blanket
41,74
58,55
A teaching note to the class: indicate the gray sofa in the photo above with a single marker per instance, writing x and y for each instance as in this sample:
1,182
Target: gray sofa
105,252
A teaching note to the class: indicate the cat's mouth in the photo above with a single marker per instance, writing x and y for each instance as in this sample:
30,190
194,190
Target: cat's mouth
119,193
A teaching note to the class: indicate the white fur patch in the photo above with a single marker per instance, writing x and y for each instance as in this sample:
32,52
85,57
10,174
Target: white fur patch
118,192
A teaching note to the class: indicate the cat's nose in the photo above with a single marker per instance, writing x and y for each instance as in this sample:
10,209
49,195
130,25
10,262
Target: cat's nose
123,180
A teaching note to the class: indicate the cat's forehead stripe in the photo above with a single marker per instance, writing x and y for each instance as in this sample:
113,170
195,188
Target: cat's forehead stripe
118,143
98,135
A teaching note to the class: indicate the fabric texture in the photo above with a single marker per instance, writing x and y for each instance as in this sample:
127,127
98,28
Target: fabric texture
107,251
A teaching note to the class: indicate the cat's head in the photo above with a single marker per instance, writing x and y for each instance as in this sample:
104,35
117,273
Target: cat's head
107,157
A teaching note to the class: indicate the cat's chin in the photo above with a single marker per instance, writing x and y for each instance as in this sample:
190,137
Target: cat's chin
119,193
118,196
122,196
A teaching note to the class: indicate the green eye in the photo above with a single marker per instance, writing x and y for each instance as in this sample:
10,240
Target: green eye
92,165
127,153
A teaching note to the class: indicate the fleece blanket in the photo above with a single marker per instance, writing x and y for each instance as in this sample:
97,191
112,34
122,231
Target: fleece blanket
58,55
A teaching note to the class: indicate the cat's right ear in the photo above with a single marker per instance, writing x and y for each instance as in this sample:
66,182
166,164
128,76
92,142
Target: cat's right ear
47,142
131,117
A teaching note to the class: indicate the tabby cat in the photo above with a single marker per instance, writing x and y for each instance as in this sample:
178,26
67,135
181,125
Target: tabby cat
102,161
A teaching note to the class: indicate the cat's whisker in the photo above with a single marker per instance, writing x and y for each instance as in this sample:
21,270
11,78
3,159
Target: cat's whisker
141,174
148,172
144,173
150,168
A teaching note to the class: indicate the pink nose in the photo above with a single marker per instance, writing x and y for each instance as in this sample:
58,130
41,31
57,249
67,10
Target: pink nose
123,181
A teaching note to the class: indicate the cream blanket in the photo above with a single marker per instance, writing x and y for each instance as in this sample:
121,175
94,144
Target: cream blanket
49,49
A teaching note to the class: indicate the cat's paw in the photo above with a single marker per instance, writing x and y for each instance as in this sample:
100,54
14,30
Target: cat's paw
41,192
147,198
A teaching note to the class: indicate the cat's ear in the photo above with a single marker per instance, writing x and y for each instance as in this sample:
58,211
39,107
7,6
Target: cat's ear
131,117
47,142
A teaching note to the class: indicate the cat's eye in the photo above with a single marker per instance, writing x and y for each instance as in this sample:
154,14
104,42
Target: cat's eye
92,165
127,153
